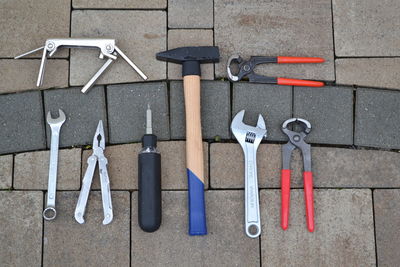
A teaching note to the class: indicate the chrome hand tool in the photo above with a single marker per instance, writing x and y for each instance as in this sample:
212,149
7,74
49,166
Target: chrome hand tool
107,48
97,156
249,138
55,124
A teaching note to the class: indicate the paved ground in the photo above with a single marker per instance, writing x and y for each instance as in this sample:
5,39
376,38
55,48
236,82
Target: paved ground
355,137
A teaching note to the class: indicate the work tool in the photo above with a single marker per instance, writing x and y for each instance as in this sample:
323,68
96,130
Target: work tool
191,58
296,140
49,212
107,48
249,137
97,156
246,69
149,208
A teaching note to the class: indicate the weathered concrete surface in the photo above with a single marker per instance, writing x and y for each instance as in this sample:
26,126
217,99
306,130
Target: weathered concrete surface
343,236
225,245
113,4
21,228
190,14
6,171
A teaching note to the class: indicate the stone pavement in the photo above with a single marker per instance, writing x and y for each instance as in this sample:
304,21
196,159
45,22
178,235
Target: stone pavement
355,137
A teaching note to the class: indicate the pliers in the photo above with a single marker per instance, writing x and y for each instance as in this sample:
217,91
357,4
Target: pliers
246,69
296,140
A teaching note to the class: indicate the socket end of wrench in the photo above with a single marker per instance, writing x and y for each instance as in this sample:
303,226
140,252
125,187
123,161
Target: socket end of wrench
49,214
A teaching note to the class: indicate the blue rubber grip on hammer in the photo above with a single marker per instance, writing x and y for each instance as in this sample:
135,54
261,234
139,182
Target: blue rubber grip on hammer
197,208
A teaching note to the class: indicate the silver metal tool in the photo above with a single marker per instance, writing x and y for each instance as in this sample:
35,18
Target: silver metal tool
55,124
99,145
249,138
107,48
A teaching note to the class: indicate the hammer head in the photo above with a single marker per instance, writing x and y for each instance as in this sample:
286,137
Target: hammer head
201,54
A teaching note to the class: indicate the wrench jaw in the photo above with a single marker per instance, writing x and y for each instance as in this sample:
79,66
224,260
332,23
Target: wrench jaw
57,121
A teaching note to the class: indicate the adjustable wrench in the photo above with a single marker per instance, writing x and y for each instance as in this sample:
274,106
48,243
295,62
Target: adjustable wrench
55,124
249,138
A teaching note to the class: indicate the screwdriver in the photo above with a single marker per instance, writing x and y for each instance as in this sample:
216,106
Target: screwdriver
149,180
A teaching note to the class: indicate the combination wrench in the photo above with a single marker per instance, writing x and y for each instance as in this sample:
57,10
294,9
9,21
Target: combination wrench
55,124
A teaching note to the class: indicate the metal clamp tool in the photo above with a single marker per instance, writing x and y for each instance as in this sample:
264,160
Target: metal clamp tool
249,138
107,48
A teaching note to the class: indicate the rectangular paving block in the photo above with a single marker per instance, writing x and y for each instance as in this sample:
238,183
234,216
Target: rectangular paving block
31,170
127,105
387,226
21,228
139,34
343,236
225,245
26,24
371,72
289,28
329,110
113,4
215,110
82,111
366,28
6,171
273,102
190,14
20,75
66,242
179,38
377,121
22,124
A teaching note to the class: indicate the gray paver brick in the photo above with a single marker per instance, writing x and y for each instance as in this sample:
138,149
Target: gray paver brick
387,218
366,28
83,112
225,245
297,28
31,170
112,4
190,14
6,171
21,120
21,228
179,38
377,119
139,34
372,72
330,112
343,236
273,102
127,105
68,243
215,110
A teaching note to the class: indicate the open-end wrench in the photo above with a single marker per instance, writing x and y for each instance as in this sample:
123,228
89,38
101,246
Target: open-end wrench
55,124
249,137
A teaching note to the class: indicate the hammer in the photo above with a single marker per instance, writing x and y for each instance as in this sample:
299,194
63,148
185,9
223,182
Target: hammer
191,58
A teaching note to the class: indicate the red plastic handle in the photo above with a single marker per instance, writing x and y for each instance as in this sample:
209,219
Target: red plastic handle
282,60
296,82
285,198
309,198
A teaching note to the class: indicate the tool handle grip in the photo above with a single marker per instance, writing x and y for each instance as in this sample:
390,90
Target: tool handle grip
194,156
283,60
309,199
285,198
149,208
297,82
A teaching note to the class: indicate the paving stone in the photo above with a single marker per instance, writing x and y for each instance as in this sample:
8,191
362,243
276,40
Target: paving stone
179,38
387,226
190,14
377,122
295,28
67,243
225,245
215,110
330,112
127,105
6,171
343,236
27,70
139,34
83,112
21,228
31,170
273,102
373,72
113,4
21,120
366,28
26,24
